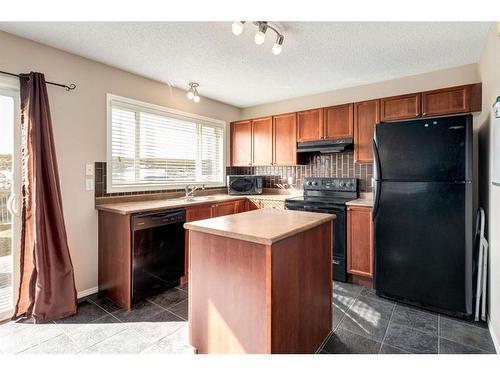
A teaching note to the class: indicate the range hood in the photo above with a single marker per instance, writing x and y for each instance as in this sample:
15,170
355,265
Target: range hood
325,146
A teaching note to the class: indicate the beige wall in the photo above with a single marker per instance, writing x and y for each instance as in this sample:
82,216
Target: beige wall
422,82
79,121
489,70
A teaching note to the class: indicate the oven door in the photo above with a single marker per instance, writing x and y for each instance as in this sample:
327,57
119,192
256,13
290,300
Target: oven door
339,261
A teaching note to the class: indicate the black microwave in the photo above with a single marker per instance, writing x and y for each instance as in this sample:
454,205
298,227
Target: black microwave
243,185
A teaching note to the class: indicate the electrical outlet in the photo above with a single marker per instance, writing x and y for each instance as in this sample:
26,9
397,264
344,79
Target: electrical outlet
89,169
89,184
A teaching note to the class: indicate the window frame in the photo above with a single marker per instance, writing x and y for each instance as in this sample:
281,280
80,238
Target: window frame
157,109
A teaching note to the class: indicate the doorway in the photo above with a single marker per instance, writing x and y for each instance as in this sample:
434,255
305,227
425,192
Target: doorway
10,203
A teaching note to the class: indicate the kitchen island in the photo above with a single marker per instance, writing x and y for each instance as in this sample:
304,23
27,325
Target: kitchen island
260,282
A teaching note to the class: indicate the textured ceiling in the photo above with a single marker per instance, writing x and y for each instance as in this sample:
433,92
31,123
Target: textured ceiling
316,57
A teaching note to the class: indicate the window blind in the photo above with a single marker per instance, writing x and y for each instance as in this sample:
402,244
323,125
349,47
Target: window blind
151,148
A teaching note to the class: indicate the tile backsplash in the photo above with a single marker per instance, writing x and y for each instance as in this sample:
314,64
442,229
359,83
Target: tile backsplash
317,165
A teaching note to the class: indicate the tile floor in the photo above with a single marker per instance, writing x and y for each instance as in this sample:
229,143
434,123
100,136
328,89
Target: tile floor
363,323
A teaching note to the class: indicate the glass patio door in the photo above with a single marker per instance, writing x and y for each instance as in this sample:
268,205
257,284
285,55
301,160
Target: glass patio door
10,181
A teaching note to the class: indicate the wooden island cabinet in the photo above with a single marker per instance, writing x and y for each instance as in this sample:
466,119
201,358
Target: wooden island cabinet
261,282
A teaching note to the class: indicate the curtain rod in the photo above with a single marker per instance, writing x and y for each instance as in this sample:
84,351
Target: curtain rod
68,88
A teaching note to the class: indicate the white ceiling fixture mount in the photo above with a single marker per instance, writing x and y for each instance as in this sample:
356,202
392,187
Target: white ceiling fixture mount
192,93
260,35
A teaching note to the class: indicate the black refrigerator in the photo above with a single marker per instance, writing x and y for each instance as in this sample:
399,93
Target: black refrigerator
423,213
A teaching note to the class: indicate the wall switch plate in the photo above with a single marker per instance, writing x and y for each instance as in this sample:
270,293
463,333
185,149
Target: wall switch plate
89,184
89,169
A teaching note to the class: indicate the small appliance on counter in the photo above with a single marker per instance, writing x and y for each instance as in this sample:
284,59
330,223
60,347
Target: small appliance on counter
330,195
244,184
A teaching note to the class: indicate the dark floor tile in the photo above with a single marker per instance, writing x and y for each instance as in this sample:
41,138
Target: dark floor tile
372,309
181,309
368,326
414,318
345,342
388,349
169,298
141,312
61,344
338,315
106,304
87,312
183,287
341,288
127,341
466,333
451,347
369,292
410,339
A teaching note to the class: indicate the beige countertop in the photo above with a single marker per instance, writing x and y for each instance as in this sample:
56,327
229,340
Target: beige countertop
265,226
365,202
126,208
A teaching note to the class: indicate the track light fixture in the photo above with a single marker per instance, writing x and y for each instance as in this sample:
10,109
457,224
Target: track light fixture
192,93
260,36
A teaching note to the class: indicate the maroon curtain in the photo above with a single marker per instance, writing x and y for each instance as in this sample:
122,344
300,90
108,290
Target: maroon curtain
47,288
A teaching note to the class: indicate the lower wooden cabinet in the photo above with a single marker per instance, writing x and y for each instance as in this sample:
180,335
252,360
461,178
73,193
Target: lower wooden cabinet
207,211
360,241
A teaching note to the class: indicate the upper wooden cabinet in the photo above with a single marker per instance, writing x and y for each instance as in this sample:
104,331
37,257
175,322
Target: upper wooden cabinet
262,141
339,121
459,99
241,143
400,107
366,115
310,125
285,139
360,241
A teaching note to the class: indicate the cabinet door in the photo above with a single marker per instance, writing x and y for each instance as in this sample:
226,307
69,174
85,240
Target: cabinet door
262,141
241,143
446,101
193,213
366,115
359,241
339,121
223,209
285,139
240,206
310,125
400,107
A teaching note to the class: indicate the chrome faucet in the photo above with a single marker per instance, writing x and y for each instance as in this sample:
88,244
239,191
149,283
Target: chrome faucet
190,189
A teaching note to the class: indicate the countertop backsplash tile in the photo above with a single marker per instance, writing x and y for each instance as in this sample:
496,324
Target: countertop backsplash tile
318,165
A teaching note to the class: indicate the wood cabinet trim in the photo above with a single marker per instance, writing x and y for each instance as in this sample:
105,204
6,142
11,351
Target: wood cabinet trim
293,143
357,158
350,240
350,121
418,107
320,125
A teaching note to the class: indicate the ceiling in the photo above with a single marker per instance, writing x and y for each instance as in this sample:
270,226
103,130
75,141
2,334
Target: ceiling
316,57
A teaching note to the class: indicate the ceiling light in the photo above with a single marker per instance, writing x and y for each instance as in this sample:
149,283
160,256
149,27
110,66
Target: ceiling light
260,36
277,47
238,27
192,93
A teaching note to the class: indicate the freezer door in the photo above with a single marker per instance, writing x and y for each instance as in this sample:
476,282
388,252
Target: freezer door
436,149
423,244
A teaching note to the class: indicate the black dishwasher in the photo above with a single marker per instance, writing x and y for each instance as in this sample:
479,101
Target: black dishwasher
157,252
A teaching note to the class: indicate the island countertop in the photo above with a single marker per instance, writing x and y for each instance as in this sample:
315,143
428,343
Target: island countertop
265,226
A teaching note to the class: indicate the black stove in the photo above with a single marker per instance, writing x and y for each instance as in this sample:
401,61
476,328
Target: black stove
329,195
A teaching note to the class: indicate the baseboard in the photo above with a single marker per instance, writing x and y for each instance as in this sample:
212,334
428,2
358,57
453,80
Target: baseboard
493,337
87,292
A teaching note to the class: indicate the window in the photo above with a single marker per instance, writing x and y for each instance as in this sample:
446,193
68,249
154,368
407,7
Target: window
155,148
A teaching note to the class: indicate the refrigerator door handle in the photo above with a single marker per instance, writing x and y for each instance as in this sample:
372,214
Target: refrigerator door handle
376,175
